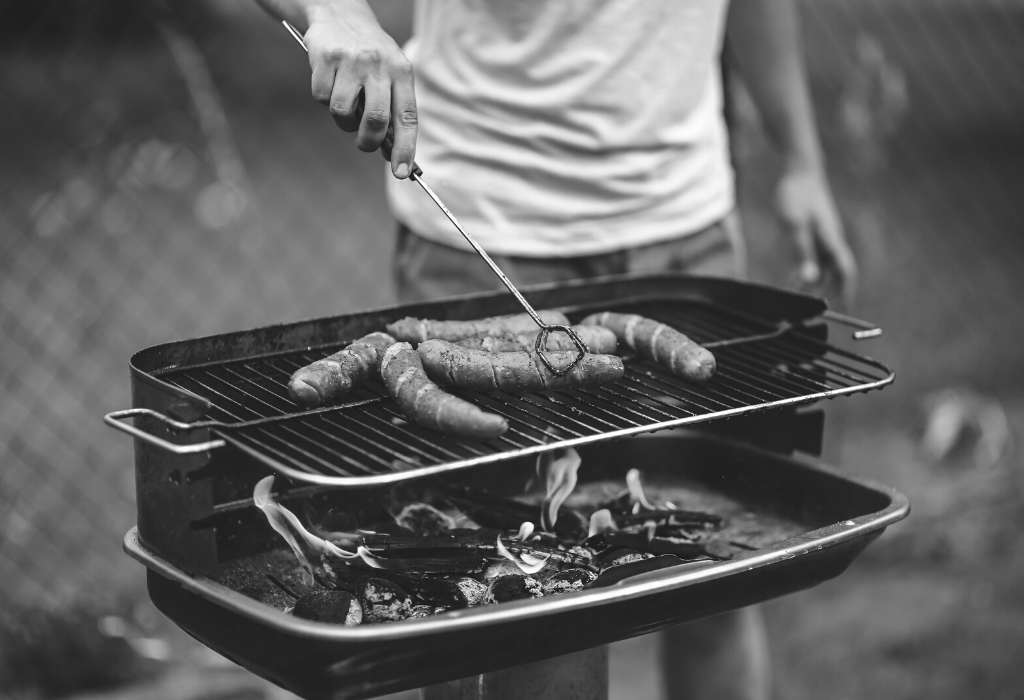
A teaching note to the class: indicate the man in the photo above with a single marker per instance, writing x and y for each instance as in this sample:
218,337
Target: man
576,138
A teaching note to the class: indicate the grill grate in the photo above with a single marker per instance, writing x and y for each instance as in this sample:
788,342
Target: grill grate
367,440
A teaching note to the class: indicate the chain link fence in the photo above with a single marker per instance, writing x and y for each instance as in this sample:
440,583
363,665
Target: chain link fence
167,176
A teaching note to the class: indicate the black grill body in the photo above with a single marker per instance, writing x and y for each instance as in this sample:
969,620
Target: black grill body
195,511
841,516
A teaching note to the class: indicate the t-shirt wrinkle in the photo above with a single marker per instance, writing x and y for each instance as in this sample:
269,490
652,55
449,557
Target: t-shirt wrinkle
568,127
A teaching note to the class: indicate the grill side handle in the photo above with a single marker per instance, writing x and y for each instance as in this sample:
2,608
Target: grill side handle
115,420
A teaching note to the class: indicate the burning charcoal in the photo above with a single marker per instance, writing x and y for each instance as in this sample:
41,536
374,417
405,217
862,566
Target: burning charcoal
445,561
338,607
384,600
685,549
512,587
423,519
567,580
556,556
584,553
504,567
620,556
421,611
472,590
440,593
438,554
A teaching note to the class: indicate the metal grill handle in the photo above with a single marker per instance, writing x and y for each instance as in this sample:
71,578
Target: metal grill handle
116,418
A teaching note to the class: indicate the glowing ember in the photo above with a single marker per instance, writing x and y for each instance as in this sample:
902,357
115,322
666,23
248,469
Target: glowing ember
286,524
561,480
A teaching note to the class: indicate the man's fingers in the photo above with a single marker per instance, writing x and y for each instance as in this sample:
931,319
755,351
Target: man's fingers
323,81
808,272
345,103
376,115
837,249
404,122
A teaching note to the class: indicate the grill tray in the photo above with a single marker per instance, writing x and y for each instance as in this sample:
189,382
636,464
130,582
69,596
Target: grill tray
767,357
840,516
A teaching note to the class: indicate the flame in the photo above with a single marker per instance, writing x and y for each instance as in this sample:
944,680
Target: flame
650,527
527,563
367,556
561,480
525,530
286,524
601,521
636,491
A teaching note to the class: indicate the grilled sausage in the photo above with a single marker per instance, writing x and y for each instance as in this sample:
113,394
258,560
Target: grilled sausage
325,380
417,330
430,406
516,372
656,341
599,340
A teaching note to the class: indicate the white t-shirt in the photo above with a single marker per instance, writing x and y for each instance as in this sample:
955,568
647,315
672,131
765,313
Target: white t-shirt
555,128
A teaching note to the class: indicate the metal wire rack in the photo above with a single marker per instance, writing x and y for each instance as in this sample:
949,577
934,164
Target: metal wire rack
366,440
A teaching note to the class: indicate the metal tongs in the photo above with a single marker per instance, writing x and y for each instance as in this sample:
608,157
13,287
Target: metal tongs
545,328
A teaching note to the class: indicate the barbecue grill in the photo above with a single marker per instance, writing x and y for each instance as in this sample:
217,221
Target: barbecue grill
213,418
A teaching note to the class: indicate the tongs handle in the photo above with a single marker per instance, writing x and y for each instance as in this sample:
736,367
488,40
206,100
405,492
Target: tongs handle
865,329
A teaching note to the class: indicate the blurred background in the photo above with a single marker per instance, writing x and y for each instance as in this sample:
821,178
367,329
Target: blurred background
164,174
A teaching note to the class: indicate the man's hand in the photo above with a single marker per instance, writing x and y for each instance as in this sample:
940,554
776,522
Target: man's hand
808,212
359,72
764,37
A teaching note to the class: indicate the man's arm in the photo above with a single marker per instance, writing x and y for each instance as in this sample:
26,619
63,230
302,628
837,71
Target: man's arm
764,36
358,71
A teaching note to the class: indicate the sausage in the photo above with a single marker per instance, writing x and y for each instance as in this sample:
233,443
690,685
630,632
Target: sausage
514,372
599,340
656,341
429,405
417,330
325,380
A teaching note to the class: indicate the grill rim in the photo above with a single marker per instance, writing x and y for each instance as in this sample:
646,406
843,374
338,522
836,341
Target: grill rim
632,588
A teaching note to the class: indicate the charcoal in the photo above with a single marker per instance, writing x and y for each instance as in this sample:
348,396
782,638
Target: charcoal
438,593
639,541
567,580
384,600
501,567
460,538
422,611
472,590
432,561
424,519
620,555
512,587
558,557
338,607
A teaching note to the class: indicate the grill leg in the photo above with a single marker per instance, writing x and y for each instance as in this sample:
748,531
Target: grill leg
579,676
